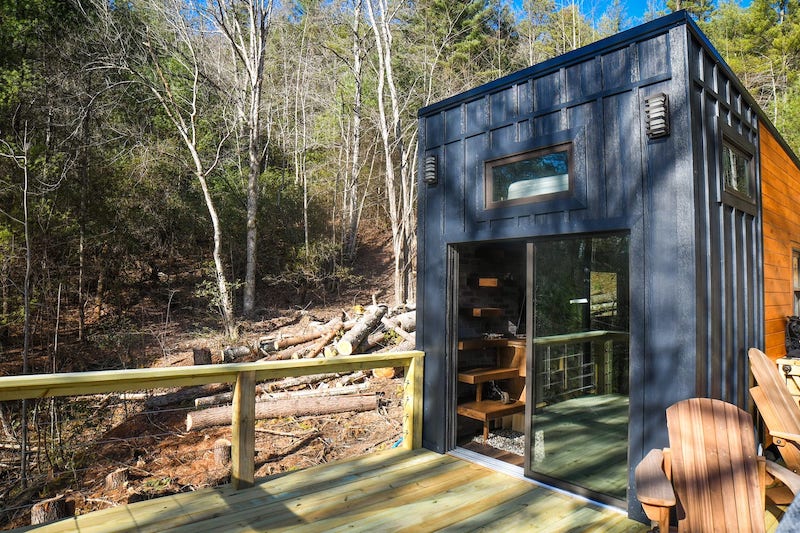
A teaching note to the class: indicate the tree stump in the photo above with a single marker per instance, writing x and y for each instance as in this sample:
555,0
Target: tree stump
222,452
117,479
49,510
202,356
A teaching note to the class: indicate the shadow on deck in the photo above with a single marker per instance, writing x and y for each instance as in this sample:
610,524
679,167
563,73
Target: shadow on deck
394,490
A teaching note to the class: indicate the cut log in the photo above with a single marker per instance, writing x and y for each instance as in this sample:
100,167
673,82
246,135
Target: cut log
235,352
352,378
349,342
183,395
266,397
220,416
325,339
50,510
222,452
271,344
406,321
202,356
117,479
287,383
387,373
393,326
404,346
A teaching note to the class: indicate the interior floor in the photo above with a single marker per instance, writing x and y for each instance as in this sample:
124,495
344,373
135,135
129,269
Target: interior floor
601,465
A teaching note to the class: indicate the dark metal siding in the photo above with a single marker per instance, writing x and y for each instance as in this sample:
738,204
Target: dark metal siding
694,282
729,287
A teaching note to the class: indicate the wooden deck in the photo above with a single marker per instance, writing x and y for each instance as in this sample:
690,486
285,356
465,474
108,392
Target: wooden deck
394,490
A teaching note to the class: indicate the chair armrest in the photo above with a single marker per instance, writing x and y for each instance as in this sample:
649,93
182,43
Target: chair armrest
652,485
791,437
786,476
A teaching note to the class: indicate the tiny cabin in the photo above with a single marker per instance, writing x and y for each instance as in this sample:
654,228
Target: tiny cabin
600,236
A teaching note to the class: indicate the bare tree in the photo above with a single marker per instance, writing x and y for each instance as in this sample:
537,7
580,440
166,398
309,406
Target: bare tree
399,147
245,25
160,46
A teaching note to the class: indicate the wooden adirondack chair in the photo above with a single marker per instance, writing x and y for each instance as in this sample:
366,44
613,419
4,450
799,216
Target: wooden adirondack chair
778,408
711,473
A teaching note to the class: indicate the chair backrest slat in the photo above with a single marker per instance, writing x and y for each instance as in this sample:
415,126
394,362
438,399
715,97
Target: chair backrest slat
777,406
714,467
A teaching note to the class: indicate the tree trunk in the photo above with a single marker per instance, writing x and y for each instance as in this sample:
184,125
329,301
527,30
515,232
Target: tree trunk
349,342
201,356
222,452
50,510
220,416
117,479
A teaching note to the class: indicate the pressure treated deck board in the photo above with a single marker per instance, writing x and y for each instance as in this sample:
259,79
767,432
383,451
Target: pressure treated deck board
320,502
386,491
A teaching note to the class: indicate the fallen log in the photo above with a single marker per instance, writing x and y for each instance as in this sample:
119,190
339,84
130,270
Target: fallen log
325,339
183,395
220,416
287,383
397,329
271,344
404,346
266,396
406,321
349,342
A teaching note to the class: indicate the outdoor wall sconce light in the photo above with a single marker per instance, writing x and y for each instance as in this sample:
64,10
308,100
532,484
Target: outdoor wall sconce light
656,110
430,176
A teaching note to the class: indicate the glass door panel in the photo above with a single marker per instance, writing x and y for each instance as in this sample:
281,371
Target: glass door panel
577,381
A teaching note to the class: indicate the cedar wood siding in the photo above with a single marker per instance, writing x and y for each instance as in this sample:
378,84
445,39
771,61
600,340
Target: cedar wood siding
780,189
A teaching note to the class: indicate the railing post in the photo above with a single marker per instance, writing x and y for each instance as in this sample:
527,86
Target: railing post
412,404
243,441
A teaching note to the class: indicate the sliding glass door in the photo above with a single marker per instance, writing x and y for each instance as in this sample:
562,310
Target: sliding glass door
577,377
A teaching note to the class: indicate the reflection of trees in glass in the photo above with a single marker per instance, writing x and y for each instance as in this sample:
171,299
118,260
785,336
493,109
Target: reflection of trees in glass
735,169
581,285
542,166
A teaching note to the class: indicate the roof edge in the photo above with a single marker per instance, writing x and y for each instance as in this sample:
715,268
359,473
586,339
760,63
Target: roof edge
619,40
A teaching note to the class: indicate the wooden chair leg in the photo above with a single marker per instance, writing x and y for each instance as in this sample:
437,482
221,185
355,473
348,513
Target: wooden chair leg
659,516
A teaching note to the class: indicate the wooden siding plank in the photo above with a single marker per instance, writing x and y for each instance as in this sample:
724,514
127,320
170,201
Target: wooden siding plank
780,181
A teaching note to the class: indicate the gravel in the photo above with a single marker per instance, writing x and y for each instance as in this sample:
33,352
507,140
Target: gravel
504,439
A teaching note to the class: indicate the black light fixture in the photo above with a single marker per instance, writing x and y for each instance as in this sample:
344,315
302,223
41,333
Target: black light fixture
656,109
430,176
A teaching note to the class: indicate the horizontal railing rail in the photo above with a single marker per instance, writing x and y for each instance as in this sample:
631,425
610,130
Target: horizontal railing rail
244,376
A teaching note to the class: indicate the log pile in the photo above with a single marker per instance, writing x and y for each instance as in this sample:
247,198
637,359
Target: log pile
372,330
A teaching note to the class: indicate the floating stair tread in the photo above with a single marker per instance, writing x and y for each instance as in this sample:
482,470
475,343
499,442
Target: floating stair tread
482,312
489,409
482,375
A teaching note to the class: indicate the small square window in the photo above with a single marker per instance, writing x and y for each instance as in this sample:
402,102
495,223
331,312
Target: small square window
529,177
737,171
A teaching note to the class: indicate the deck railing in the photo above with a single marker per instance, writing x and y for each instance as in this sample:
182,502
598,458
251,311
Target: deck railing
244,376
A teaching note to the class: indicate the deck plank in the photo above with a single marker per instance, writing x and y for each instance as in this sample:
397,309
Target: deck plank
394,490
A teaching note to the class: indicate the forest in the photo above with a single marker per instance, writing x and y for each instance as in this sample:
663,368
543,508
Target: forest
177,168
252,143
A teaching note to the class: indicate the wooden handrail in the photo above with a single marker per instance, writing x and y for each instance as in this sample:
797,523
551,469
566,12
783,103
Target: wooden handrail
244,375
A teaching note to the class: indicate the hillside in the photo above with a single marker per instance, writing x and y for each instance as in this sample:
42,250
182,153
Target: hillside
77,442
